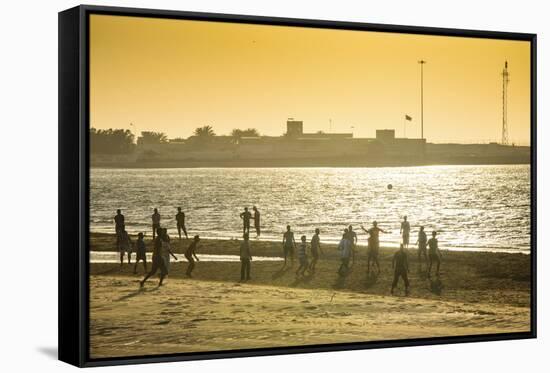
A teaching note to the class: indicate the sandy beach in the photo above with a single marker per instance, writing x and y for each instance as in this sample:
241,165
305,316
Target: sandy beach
478,293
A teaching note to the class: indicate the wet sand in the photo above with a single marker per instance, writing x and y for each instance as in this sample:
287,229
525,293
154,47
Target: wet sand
478,293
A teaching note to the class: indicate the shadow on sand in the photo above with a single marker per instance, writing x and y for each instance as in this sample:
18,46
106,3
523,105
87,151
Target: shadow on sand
280,273
305,279
422,274
371,279
108,271
341,279
436,286
137,292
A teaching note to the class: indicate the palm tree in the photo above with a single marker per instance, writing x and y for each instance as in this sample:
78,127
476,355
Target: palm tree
151,137
204,132
237,134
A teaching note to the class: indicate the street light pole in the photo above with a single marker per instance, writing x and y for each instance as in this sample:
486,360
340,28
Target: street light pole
422,62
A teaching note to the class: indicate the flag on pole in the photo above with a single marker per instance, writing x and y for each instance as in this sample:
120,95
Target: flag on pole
408,117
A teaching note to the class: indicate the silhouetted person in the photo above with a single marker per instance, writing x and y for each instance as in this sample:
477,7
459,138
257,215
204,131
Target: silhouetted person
289,245
124,245
345,253
246,258
156,221
180,222
400,265
158,261
246,216
374,232
119,221
373,245
191,255
372,255
352,237
302,257
141,253
422,243
315,250
256,220
434,255
166,249
405,231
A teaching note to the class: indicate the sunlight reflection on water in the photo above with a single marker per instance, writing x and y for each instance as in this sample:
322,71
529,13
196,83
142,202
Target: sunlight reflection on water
473,207
114,257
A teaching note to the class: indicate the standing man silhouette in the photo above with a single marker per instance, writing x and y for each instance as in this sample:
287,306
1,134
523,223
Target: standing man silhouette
180,222
434,255
119,221
246,215
315,249
405,231
256,220
400,264
373,245
352,237
422,243
245,257
156,222
289,245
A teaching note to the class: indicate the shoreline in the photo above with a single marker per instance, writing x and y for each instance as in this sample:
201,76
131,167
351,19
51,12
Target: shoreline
333,242
484,161
477,293
482,276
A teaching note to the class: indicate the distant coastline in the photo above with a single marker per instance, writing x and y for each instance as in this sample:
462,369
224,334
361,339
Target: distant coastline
314,162
295,148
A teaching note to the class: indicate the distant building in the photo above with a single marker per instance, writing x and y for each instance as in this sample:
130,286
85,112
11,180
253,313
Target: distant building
392,146
319,148
385,135
294,128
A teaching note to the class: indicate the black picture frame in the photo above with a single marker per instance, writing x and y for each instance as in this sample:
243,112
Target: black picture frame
74,164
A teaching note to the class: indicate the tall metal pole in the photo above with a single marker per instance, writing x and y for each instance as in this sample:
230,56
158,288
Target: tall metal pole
422,62
505,80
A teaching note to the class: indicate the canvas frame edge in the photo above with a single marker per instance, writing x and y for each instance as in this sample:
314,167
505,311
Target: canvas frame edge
73,178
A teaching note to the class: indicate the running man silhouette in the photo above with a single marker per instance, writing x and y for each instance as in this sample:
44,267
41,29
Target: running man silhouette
141,254
180,222
246,215
434,255
166,250
315,249
302,257
405,231
422,243
190,253
156,222
256,220
400,265
119,221
288,245
158,261
246,258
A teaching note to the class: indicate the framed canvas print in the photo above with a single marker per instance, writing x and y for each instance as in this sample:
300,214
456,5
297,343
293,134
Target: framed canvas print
234,186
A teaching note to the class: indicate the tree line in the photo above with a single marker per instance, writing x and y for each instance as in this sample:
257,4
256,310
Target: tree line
121,141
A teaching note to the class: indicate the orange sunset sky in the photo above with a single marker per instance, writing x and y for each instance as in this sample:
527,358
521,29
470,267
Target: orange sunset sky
175,75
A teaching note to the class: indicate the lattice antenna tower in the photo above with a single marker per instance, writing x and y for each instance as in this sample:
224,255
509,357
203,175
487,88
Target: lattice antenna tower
505,81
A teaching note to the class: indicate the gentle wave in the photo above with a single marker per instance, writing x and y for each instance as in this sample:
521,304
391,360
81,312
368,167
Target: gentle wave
114,257
478,208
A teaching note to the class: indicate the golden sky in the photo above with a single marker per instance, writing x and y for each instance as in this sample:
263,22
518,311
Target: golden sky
175,75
